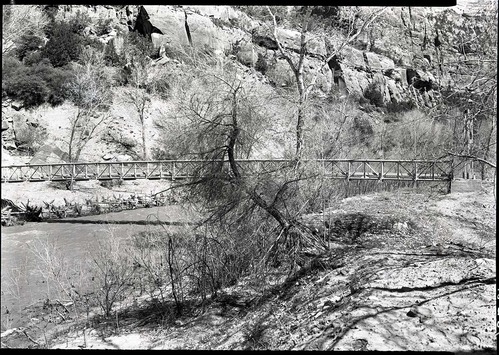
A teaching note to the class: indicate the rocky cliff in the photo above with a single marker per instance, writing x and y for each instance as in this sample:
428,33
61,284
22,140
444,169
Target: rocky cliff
406,56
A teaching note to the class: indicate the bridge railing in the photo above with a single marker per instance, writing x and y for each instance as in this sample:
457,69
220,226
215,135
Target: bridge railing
349,169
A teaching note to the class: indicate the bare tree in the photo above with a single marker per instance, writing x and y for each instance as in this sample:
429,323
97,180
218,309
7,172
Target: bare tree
137,94
223,123
90,91
19,20
471,62
303,87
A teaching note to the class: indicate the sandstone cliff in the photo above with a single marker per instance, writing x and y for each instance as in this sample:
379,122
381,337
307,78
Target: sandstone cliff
406,57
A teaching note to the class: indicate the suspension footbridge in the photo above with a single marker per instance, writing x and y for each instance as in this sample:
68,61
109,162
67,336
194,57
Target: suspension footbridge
348,169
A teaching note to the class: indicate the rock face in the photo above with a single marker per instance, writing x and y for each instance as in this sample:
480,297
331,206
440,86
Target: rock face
400,62
397,58
353,70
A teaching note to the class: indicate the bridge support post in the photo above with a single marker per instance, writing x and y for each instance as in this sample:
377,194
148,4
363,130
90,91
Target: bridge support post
73,175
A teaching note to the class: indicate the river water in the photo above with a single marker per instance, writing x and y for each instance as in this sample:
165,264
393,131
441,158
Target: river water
24,281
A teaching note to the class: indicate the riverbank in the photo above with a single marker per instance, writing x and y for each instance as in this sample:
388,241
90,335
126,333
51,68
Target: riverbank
427,283
39,192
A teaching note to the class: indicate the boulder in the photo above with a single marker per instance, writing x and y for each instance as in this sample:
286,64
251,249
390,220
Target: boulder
10,145
355,81
393,90
20,123
386,63
290,40
353,58
403,77
381,82
16,105
280,73
324,81
373,62
171,21
225,13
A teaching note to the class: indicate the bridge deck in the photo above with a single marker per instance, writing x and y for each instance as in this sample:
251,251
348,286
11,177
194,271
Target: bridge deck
356,169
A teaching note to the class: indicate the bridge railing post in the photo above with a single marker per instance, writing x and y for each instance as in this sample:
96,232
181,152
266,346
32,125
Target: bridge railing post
415,172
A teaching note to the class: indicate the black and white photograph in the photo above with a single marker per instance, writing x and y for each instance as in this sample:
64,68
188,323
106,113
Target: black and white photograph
282,177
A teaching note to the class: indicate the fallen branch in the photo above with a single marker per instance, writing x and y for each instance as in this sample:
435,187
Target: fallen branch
58,301
30,338
471,280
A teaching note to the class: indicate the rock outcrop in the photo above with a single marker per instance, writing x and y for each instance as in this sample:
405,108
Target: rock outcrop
400,61
399,57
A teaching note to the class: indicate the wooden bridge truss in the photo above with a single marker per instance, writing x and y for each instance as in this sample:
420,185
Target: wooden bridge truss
403,170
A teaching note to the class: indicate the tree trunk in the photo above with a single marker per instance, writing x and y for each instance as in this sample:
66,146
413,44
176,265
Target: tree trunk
487,150
72,136
144,148
300,121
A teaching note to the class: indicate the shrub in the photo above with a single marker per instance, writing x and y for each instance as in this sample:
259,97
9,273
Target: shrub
396,107
27,44
33,58
56,83
363,127
103,26
79,22
30,138
138,46
109,184
111,57
374,96
64,46
54,78
35,84
261,64
10,65
219,22
93,43
161,154
30,89
113,273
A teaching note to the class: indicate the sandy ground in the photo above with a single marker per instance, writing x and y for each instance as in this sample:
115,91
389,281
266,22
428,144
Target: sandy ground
424,284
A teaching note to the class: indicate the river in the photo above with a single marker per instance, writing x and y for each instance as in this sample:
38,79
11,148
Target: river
23,282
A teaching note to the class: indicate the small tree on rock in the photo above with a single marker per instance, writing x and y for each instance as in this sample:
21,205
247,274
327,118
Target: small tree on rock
90,90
